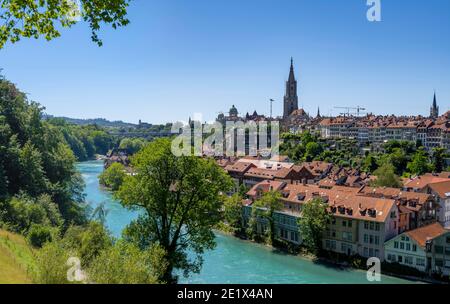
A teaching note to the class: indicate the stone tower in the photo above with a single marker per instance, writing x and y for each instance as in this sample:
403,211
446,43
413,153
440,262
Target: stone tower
290,98
434,110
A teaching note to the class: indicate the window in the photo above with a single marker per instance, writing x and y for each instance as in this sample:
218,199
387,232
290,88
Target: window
366,238
439,249
327,244
371,239
377,253
409,260
371,252
408,246
400,259
448,239
350,223
377,226
348,236
366,251
396,245
366,225
420,262
344,223
377,240
439,262
402,245
414,247
371,226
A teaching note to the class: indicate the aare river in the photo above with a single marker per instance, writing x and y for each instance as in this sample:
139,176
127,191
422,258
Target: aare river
233,260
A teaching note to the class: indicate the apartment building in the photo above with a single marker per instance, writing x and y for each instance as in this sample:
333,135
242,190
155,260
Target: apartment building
360,225
426,249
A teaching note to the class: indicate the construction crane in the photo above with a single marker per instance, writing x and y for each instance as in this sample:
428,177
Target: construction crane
358,109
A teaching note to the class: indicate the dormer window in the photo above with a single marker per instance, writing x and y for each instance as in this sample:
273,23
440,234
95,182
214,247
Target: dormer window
301,196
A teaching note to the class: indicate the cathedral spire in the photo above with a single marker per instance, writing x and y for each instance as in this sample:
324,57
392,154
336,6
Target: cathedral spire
434,110
290,97
291,73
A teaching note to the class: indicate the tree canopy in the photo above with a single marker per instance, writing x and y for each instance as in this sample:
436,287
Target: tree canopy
35,19
181,200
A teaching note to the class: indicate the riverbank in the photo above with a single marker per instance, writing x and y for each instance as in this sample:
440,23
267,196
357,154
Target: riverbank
342,263
232,261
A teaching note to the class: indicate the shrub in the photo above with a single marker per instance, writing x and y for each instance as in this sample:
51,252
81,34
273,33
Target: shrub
113,176
51,264
38,235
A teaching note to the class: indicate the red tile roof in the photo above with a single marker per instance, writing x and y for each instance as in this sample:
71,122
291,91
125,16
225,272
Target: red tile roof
421,235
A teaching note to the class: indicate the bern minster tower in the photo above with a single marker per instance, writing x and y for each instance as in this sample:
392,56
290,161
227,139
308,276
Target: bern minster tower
291,98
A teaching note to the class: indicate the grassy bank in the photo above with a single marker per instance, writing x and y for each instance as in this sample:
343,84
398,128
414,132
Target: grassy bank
16,259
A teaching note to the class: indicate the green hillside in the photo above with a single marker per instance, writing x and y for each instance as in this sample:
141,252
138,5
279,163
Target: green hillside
16,259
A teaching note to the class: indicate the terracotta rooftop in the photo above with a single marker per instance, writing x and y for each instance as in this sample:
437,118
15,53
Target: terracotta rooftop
441,188
421,235
421,182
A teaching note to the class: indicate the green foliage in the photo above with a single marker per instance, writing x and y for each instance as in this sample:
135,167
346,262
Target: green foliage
438,159
262,212
35,19
386,177
22,212
370,163
125,263
113,176
51,263
313,223
93,240
181,200
419,164
313,149
35,159
85,141
132,145
232,212
38,235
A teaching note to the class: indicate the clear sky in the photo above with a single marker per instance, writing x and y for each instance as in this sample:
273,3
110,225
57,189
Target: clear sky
180,57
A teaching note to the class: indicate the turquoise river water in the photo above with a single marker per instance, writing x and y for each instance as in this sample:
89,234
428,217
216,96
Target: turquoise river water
233,260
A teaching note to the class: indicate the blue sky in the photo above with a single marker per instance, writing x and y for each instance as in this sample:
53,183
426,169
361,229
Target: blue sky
180,57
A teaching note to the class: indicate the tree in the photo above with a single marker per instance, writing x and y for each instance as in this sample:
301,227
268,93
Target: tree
419,164
132,145
113,176
263,211
180,199
93,240
370,163
439,155
34,19
232,212
35,158
313,222
386,177
51,265
313,149
125,263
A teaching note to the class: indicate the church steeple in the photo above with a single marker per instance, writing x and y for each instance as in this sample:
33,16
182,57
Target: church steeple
291,72
290,97
318,112
434,110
